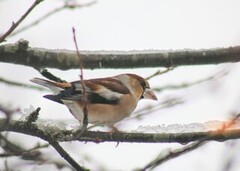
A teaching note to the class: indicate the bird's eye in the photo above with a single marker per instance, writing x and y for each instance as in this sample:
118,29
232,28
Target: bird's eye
143,84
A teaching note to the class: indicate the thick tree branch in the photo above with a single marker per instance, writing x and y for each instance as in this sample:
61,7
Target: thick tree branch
170,154
20,53
97,137
28,124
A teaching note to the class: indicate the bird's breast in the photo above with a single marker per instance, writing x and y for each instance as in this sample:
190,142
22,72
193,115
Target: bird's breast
108,114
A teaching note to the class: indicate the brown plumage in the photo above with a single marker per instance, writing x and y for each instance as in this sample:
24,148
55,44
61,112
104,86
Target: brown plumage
109,99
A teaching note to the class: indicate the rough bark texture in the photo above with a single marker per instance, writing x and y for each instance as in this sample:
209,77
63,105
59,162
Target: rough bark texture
51,133
21,53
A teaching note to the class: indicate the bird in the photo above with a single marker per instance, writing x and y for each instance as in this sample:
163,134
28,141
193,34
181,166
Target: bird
108,100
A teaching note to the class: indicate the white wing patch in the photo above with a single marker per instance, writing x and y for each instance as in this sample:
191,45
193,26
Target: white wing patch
108,94
102,91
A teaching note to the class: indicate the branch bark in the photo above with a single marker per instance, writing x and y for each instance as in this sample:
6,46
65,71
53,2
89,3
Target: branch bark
56,134
28,124
15,25
20,53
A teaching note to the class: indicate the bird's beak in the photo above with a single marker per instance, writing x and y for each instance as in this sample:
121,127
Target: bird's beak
149,94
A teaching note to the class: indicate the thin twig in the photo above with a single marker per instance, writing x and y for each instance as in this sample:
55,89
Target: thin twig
173,154
50,13
84,99
28,125
151,109
8,146
15,25
12,149
54,143
160,72
14,83
66,156
185,85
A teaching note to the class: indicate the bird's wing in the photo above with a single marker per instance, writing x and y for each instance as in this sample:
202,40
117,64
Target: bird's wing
103,90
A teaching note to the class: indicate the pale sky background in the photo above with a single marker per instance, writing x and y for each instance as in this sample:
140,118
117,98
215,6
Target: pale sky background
135,25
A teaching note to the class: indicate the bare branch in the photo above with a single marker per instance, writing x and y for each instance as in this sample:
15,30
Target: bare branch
30,126
12,149
65,59
158,72
162,158
66,156
50,13
15,25
185,85
84,99
14,83
97,136
167,103
54,134
175,153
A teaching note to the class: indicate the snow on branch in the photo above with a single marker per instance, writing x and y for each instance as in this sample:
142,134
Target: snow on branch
21,53
60,134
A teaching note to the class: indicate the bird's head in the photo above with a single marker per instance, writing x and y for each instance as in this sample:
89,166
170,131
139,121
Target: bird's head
138,86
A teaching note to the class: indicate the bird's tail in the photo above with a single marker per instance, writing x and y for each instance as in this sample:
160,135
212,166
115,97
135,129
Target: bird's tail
54,86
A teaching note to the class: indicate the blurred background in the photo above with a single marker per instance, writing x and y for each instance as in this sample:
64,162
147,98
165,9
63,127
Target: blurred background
133,25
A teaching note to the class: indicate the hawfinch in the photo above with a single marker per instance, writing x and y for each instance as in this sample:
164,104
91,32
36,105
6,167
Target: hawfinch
109,100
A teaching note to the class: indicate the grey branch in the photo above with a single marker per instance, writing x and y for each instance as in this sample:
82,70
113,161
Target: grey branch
21,53
67,5
168,155
15,25
51,132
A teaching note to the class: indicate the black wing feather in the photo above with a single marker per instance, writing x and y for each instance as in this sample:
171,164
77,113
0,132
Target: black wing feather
72,94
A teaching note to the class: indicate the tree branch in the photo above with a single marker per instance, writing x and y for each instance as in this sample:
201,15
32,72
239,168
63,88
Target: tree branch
66,59
84,98
163,157
14,149
29,125
55,133
67,5
14,83
14,25
66,156
171,154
